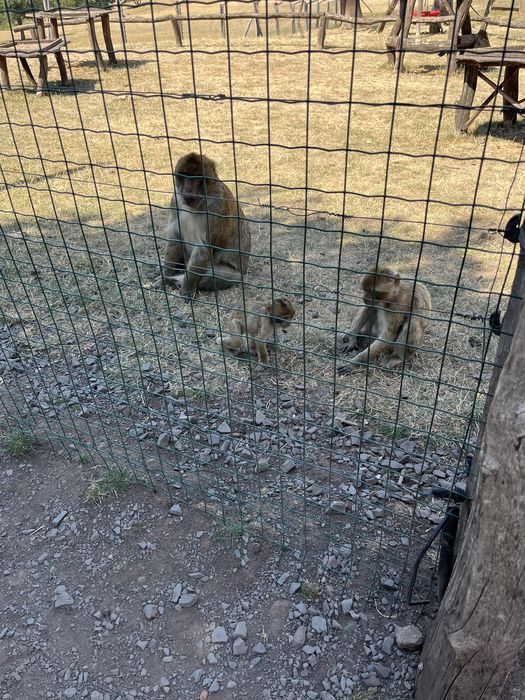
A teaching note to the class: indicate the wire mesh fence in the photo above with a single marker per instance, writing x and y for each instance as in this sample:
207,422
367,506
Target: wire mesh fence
339,162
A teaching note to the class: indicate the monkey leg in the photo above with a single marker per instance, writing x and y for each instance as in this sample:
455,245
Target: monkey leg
173,258
368,355
364,320
405,344
219,277
262,351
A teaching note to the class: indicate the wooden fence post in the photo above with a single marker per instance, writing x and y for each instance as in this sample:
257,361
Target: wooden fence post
277,21
223,24
321,34
175,23
479,630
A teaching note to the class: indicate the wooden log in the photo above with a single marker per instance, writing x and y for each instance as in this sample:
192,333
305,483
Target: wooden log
62,68
28,71
94,44
321,32
41,85
258,30
175,23
389,10
470,82
277,21
479,632
4,75
223,21
511,81
293,17
108,41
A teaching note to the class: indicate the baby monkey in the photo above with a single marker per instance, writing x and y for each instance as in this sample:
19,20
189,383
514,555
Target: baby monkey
395,315
258,324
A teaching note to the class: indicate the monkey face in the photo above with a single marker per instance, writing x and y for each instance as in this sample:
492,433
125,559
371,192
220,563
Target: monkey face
378,288
190,188
284,312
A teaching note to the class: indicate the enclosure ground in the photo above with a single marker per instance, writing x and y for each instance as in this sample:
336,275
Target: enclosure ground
118,557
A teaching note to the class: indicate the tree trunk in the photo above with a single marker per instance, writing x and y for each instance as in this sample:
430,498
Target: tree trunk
479,630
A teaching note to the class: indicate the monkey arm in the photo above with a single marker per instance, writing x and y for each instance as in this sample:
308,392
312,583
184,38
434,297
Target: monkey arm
198,265
363,319
367,355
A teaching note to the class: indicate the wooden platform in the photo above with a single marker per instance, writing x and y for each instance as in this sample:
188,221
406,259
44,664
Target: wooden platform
511,59
22,49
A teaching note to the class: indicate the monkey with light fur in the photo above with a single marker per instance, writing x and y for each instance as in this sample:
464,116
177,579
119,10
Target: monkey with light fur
258,324
395,315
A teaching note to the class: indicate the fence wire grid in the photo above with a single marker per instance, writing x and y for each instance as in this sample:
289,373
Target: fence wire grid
339,161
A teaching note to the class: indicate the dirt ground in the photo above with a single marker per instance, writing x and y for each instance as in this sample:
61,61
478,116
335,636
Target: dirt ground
97,638
130,552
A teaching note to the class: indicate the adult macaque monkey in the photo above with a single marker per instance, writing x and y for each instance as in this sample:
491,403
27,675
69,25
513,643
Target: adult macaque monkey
396,314
259,324
209,238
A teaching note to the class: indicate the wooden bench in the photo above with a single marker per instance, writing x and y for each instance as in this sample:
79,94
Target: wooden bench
22,49
89,16
474,60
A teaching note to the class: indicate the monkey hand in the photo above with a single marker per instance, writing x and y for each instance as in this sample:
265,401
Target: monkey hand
347,369
348,344
187,294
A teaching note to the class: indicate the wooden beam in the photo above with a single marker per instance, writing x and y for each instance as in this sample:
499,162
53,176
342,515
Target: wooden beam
479,631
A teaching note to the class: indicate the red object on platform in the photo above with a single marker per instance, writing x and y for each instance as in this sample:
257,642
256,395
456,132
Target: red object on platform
427,13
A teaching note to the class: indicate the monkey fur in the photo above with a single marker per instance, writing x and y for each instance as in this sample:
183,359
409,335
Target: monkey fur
209,237
395,313
258,324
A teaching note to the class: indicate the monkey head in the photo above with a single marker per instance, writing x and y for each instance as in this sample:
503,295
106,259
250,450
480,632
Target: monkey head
191,172
380,284
281,312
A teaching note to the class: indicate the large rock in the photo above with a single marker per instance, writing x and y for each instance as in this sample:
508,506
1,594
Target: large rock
409,638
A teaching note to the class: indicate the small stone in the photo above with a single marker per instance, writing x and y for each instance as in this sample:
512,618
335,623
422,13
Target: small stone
214,687
319,624
150,611
212,659
58,519
163,440
219,636
409,638
299,636
294,587
188,600
164,682
259,648
175,509
381,670
388,583
95,695
69,692
336,507
197,675
241,630
346,605
224,428
309,649
239,647
372,681
63,599
387,645
288,466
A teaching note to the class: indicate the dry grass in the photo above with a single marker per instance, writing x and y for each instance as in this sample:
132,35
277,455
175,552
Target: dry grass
94,170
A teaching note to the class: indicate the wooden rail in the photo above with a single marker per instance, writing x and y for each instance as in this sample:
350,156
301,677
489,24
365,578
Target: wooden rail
321,19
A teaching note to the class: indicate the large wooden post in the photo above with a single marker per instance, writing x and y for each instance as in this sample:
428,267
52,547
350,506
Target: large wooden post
479,630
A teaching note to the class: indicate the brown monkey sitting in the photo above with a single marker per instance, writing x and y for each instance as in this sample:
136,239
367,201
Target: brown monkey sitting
396,314
259,324
209,238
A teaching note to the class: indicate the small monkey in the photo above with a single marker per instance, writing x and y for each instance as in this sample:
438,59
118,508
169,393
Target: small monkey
258,324
209,238
396,314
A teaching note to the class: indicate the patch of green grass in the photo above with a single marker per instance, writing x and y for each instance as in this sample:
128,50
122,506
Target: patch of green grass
232,532
111,483
19,443
310,590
